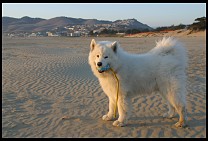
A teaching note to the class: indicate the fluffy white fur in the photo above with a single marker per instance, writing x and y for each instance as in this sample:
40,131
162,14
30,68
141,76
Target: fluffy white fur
162,70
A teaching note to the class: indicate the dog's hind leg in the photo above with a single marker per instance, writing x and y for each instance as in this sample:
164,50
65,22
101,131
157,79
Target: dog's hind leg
171,112
178,101
171,109
176,104
182,116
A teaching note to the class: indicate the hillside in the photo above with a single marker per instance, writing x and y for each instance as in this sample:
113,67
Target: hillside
28,24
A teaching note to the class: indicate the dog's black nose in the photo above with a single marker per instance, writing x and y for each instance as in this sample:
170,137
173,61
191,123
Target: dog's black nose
99,64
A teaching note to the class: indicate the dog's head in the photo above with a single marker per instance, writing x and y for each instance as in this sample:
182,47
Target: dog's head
102,54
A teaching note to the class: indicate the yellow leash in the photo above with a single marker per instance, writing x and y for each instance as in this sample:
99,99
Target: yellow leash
117,91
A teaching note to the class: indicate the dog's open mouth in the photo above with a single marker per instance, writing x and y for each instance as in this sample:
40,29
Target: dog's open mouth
103,69
100,71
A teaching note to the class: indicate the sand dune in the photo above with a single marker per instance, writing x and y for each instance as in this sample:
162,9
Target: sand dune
45,79
175,33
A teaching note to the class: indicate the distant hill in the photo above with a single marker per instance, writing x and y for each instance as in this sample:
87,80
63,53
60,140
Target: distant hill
132,24
24,20
8,20
28,24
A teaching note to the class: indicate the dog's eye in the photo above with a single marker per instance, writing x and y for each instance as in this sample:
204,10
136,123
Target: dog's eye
106,57
97,56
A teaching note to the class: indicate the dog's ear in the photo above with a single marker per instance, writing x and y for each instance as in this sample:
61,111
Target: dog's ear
92,44
114,46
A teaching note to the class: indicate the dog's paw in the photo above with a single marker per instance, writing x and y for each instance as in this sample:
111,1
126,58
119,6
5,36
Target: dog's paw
180,124
167,115
106,118
118,123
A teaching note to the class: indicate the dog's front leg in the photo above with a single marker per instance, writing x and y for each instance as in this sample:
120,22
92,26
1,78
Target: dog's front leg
110,115
124,110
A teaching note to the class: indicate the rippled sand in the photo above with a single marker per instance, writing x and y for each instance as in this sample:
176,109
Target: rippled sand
46,78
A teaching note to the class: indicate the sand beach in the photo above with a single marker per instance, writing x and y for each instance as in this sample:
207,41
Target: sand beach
47,78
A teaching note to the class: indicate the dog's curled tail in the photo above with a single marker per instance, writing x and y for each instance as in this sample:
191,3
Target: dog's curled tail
170,46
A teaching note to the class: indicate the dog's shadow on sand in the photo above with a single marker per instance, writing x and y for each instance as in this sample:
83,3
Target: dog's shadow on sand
146,121
150,121
159,121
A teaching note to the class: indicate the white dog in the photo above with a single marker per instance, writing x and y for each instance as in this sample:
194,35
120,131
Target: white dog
162,70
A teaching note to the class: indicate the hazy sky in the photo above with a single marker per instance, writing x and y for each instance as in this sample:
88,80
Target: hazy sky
154,15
